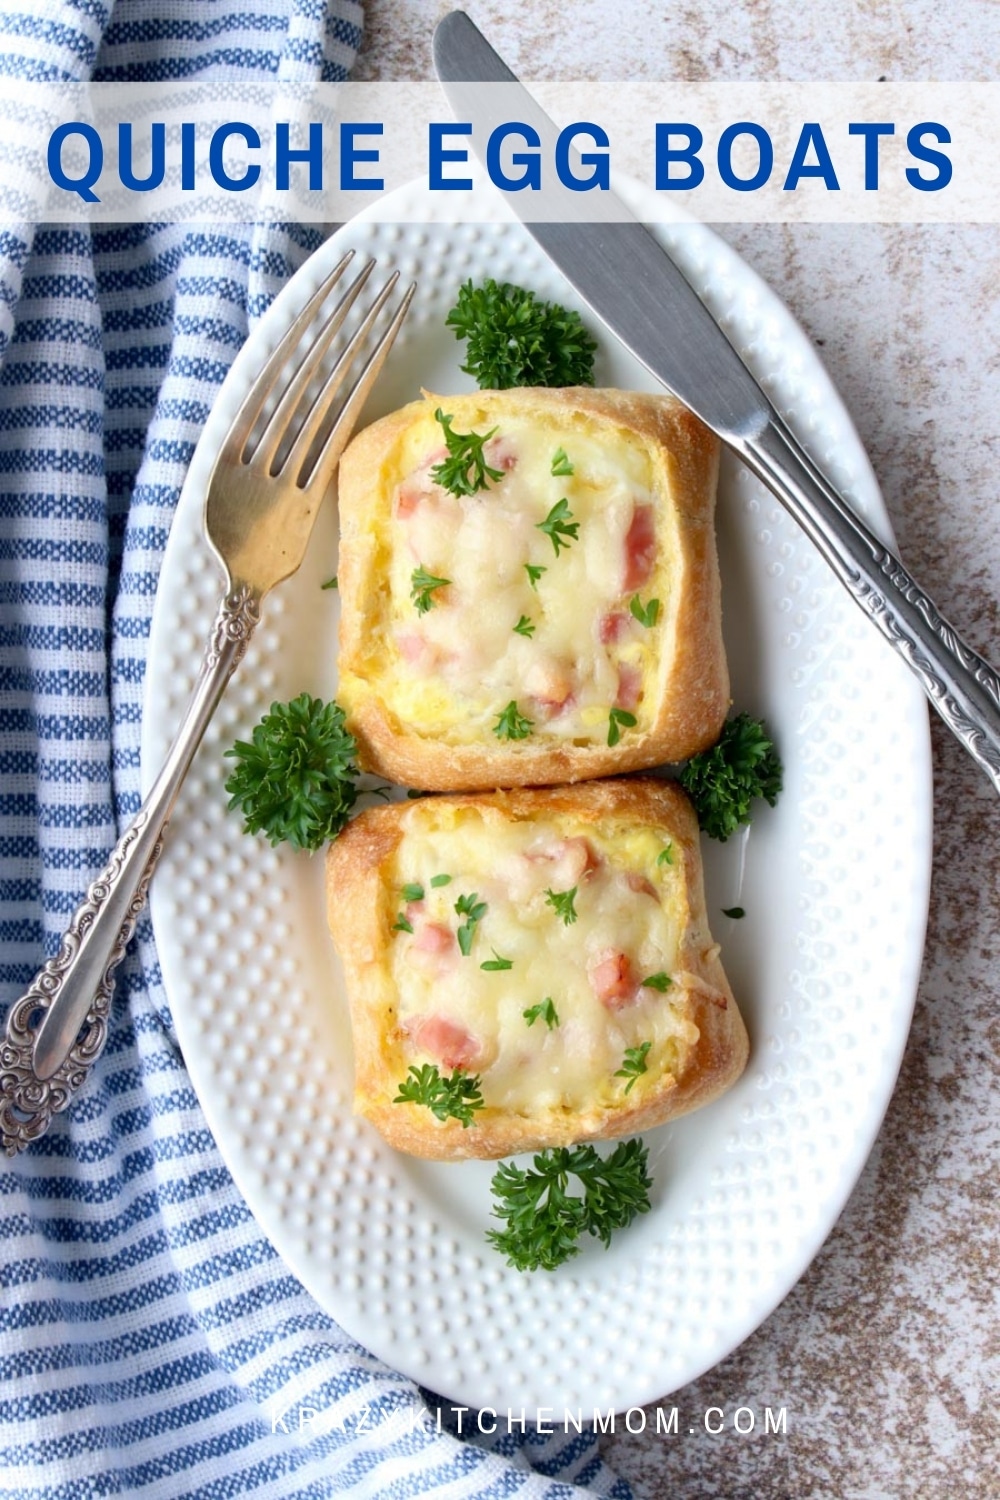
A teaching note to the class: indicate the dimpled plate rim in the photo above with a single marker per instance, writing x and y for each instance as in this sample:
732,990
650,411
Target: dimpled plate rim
825,964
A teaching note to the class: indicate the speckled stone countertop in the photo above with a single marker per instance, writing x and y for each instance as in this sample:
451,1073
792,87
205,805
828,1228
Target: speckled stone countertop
886,1355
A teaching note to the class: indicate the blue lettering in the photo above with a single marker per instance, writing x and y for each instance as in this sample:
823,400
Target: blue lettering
82,185
811,135
187,157
597,160
284,156
871,133
666,154
437,181
350,155
725,156
916,147
157,165
216,165
531,176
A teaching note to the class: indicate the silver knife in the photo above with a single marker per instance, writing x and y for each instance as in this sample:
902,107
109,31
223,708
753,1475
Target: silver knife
657,315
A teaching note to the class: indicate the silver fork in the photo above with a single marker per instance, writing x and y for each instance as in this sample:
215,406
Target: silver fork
262,499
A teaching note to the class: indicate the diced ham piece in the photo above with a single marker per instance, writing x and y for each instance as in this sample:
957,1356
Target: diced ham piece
612,627
450,1043
629,686
549,684
433,950
611,979
499,453
640,548
411,646
577,860
567,862
433,937
641,885
408,499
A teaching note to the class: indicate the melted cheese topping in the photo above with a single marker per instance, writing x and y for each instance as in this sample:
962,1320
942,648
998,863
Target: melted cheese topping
562,645
630,911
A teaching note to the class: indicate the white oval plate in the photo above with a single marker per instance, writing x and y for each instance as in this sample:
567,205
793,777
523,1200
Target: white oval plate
825,964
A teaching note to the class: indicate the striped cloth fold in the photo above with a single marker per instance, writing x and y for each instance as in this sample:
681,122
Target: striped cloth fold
151,1340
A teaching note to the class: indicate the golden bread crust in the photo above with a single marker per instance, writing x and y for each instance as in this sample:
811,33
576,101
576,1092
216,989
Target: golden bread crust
690,687
362,906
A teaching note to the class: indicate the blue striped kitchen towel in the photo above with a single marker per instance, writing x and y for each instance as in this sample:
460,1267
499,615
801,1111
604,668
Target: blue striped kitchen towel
149,1334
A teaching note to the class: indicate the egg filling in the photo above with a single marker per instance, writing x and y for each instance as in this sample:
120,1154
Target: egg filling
535,606
541,959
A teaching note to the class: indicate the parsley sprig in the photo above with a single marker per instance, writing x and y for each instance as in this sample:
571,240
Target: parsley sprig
634,1064
473,910
465,470
497,964
455,1097
559,525
514,338
543,1011
295,779
561,903
545,1221
422,586
619,719
512,725
646,614
724,781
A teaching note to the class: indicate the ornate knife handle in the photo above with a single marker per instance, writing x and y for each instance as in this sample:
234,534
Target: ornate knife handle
56,1031
963,687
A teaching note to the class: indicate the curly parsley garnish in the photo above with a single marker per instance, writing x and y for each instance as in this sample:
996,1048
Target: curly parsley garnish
465,470
559,525
456,1097
646,614
422,586
511,725
473,910
634,1065
545,1221
525,626
496,964
562,904
295,778
618,720
666,855
660,981
514,338
543,1011
722,782
534,573
561,466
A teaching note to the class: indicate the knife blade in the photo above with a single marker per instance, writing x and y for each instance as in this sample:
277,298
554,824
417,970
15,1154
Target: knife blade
605,252
631,284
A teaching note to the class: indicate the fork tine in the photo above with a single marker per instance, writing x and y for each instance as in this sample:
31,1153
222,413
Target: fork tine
277,426
297,440
253,402
307,464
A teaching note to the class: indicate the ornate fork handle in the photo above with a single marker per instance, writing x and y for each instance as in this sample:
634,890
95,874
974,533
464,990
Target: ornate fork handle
963,687
56,1031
